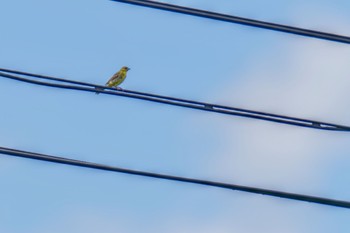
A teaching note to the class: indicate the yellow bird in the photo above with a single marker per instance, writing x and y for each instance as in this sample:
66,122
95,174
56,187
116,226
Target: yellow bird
116,79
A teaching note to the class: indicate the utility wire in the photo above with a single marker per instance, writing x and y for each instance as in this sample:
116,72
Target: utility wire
238,20
82,86
72,162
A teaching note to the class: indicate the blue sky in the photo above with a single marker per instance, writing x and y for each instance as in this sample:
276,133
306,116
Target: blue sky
180,56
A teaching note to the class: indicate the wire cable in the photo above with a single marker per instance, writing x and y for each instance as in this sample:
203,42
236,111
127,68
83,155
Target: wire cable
82,86
79,163
238,20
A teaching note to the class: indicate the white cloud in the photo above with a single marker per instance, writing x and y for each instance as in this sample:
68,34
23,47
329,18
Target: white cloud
309,79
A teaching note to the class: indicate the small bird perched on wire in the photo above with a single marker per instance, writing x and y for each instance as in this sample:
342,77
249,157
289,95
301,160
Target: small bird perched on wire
116,79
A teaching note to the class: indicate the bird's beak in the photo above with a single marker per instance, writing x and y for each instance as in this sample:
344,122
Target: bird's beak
128,68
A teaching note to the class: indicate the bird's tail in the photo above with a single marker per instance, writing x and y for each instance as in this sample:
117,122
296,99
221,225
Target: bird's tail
98,89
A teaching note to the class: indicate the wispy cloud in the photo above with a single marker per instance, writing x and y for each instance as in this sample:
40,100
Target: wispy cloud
309,79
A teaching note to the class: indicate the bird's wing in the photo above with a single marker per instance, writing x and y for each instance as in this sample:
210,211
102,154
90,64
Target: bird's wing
115,76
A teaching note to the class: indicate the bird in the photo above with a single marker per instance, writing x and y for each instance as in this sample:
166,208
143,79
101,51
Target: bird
116,79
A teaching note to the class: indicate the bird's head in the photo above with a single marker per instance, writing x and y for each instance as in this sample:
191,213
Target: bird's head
125,68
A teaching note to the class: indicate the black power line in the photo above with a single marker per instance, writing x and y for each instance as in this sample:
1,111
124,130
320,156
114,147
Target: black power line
82,86
292,196
238,20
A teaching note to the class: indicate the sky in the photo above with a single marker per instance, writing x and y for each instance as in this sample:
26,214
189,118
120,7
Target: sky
181,56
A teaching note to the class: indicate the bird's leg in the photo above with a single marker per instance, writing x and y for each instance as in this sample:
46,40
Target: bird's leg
119,88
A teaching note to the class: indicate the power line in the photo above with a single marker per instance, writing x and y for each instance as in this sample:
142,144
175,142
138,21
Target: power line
238,20
79,163
82,86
